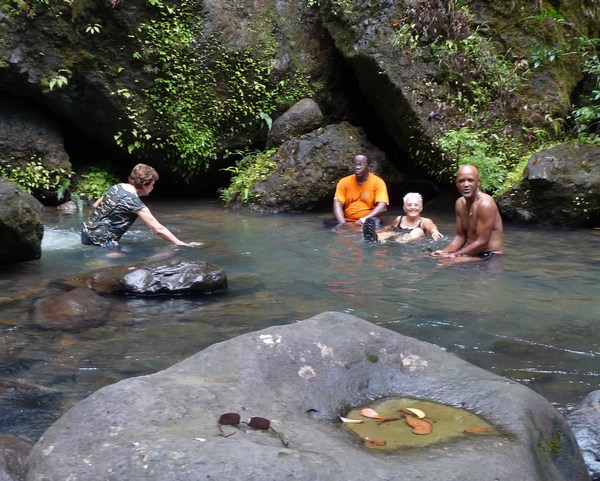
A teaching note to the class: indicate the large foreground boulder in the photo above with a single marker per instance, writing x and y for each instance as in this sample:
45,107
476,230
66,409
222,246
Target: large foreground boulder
21,229
303,377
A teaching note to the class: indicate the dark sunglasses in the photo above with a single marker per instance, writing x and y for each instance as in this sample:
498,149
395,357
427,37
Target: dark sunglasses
255,422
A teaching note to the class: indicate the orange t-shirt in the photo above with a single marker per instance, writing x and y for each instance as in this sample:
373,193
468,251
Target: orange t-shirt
360,199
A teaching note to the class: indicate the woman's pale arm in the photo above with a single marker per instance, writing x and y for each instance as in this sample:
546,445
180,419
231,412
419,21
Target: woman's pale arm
431,229
158,228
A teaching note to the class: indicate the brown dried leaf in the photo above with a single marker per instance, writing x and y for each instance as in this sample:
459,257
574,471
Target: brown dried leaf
419,426
370,413
386,420
375,442
478,431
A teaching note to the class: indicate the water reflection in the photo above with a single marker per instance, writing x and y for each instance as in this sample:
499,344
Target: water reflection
531,316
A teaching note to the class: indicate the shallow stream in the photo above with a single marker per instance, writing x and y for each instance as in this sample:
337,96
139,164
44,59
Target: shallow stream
532,315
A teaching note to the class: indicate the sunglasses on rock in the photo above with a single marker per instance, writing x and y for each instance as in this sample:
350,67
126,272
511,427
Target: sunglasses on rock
255,422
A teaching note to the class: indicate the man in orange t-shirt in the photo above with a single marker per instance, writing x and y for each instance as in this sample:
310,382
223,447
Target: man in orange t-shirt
360,196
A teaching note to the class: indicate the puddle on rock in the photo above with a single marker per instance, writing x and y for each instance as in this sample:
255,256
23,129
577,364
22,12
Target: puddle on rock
392,431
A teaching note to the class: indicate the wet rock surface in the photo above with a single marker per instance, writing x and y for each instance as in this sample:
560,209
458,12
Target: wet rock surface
163,277
585,423
302,377
76,309
13,457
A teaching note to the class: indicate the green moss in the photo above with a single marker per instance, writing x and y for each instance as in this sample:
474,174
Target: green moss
373,358
204,91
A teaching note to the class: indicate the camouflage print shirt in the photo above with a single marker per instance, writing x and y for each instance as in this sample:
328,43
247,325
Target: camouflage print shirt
114,215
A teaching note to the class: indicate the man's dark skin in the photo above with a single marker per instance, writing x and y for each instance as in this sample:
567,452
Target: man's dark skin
361,171
479,230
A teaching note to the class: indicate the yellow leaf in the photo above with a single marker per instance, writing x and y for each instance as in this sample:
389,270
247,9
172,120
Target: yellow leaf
417,412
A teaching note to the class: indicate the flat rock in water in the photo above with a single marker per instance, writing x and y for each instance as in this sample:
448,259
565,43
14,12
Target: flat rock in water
302,377
164,277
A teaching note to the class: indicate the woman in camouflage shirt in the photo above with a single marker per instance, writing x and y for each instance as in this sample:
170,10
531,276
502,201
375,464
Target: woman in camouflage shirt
117,210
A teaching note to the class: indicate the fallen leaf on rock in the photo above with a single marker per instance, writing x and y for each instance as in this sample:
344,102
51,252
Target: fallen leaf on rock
375,442
386,420
412,412
417,412
419,425
370,413
351,421
478,430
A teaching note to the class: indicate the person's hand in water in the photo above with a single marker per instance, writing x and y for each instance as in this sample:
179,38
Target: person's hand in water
194,244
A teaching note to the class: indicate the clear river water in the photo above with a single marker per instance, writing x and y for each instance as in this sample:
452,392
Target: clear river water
532,316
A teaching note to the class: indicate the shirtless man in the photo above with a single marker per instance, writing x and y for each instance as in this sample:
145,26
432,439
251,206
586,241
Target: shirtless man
479,231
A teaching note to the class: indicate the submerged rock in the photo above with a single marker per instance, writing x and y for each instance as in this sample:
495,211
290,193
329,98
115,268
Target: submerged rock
13,457
76,309
26,408
302,377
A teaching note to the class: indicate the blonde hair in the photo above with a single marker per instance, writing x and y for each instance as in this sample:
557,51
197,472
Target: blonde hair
142,175
413,195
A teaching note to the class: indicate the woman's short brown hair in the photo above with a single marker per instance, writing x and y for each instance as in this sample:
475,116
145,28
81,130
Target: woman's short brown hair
142,175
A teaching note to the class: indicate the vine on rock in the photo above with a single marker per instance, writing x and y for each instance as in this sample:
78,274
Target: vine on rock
204,92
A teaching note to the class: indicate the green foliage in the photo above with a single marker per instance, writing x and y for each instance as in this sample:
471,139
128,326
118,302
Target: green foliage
494,156
94,183
59,80
204,92
251,168
575,44
481,81
93,28
37,180
480,84
30,8
406,38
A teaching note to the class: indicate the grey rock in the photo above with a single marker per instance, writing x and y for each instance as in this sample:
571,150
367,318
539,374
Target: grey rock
302,377
174,277
29,133
161,277
302,117
560,187
21,229
585,423
13,457
309,167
